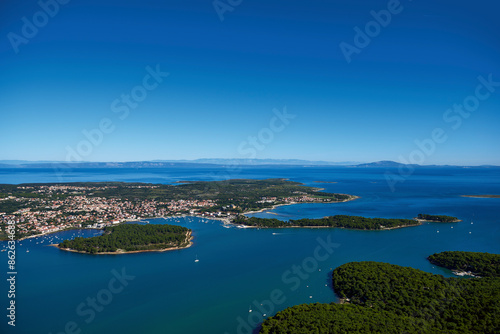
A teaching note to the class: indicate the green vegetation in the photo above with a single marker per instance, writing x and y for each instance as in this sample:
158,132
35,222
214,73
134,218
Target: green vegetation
386,298
354,222
243,194
131,237
334,318
437,218
480,264
9,206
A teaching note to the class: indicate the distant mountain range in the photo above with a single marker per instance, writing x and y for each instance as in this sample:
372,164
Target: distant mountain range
384,163
294,162
169,163
206,163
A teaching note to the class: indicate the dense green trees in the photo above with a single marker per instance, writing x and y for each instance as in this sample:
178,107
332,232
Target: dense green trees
9,206
334,318
354,222
243,193
482,264
386,298
131,237
437,218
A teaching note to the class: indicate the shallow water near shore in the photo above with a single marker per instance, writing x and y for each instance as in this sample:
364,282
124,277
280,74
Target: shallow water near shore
240,269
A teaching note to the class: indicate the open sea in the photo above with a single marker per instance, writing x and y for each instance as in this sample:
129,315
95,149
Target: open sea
241,270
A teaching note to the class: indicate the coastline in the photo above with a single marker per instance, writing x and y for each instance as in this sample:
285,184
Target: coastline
189,238
65,229
225,220
400,226
352,198
344,228
464,273
435,221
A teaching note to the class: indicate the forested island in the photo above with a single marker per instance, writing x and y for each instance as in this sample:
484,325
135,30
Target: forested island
131,238
342,221
385,298
471,263
482,196
437,218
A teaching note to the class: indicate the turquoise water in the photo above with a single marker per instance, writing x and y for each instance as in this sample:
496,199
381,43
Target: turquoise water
240,269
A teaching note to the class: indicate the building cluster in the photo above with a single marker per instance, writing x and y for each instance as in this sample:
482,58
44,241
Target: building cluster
52,213
50,208
305,199
294,199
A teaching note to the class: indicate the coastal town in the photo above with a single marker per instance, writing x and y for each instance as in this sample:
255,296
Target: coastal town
41,209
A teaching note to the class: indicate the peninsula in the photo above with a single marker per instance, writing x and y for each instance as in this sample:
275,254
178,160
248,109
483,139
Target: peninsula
468,263
341,221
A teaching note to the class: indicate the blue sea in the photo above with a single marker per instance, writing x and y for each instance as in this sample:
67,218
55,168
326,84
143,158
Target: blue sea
242,274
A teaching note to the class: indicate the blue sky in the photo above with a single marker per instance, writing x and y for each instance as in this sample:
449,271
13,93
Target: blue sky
227,76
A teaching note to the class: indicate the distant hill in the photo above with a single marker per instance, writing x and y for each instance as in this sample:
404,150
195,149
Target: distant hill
253,162
168,163
210,163
384,163
132,164
392,164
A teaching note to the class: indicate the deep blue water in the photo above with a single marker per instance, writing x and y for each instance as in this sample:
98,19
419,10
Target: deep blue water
240,269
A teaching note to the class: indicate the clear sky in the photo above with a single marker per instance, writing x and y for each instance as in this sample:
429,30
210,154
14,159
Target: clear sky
354,89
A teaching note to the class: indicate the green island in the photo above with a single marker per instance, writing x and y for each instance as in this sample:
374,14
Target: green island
40,208
385,298
482,196
468,263
437,218
131,238
341,221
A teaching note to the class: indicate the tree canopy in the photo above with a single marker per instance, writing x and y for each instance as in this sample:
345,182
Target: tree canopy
345,221
437,218
131,237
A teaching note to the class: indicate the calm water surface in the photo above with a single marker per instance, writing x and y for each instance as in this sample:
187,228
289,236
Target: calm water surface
240,269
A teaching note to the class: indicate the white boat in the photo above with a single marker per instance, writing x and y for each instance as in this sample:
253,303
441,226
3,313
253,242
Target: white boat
196,260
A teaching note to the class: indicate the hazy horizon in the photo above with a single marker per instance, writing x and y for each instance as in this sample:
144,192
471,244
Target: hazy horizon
249,162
